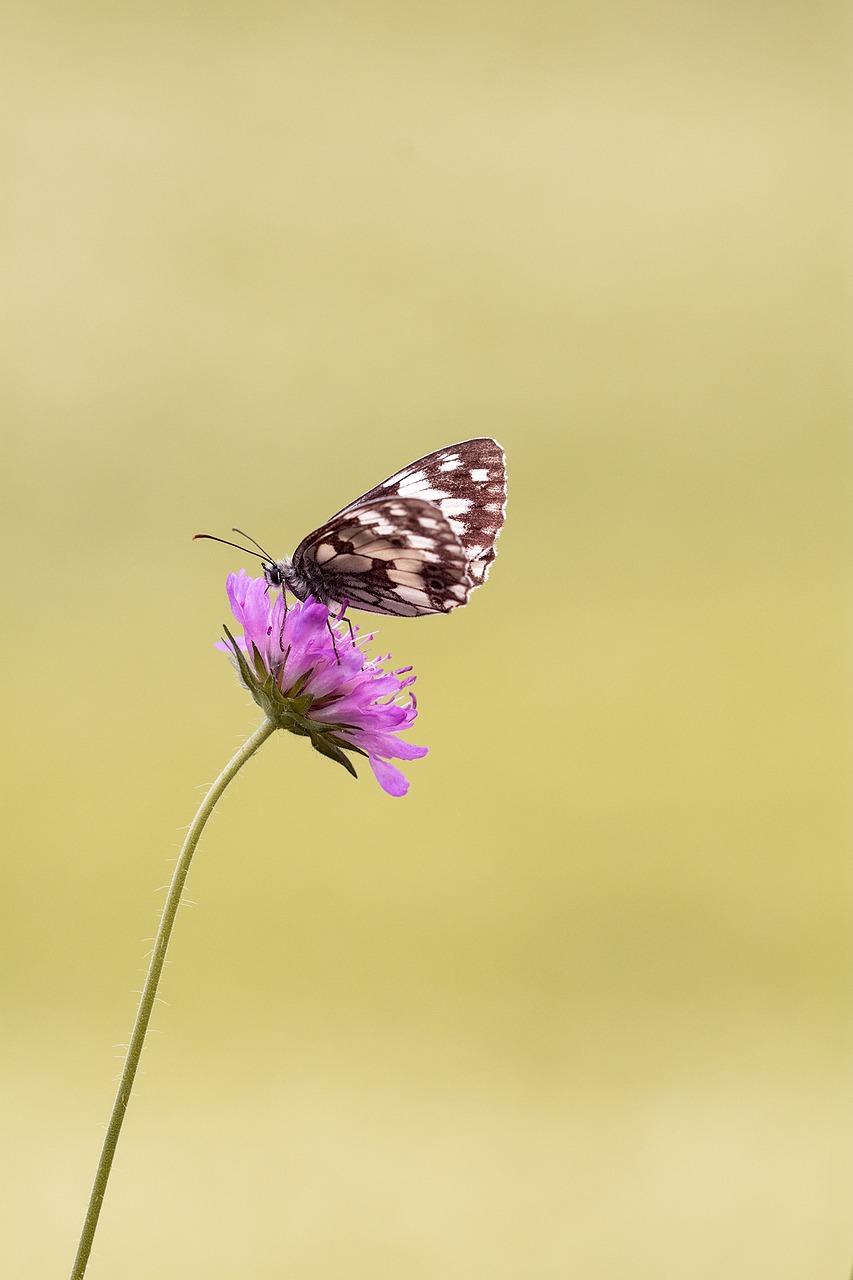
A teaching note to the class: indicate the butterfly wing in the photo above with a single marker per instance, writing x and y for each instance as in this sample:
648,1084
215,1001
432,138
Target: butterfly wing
388,554
467,482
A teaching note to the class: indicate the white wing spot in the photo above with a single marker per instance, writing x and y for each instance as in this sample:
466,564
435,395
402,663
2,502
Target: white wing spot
455,506
414,595
382,551
352,564
324,552
360,539
414,580
479,474
409,477
450,464
408,564
418,486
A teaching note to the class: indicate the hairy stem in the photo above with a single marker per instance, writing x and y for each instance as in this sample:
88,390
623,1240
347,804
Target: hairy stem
149,991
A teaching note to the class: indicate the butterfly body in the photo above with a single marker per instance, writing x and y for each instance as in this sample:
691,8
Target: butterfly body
417,543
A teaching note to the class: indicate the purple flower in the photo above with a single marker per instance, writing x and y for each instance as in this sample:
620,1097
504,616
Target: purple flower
321,688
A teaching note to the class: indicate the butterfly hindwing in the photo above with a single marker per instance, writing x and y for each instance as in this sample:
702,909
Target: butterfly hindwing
386,554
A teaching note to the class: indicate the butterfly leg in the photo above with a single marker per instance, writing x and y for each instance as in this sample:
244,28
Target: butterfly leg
283,619
351,632
331,631
340,616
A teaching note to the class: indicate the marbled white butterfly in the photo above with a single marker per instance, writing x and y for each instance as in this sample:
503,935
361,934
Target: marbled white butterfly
418,543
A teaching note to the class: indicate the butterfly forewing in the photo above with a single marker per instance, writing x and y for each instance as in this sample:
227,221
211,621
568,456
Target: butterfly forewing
387,555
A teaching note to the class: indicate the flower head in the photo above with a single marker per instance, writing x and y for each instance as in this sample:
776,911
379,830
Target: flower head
310,674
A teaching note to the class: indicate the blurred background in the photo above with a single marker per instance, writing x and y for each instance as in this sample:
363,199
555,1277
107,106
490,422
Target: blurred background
577,1006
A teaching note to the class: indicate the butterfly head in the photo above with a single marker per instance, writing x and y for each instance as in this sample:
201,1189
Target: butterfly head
284,575
276,572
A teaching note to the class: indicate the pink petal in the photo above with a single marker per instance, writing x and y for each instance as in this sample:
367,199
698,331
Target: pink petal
389,778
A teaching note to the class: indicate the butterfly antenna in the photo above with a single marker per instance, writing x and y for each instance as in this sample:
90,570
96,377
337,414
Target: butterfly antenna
246,550
254,543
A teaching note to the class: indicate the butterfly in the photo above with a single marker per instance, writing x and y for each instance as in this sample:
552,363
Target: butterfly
417,543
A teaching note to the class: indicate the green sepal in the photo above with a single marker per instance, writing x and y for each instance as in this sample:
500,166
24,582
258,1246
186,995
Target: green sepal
294,726
242,665
260,666
300,684
301,706
333,752
347,746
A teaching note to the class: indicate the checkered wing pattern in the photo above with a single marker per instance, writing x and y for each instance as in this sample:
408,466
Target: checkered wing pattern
417,543
467,482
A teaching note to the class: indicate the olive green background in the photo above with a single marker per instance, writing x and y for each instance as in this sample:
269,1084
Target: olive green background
577,1006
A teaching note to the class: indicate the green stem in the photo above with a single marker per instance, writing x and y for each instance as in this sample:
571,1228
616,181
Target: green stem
149,991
